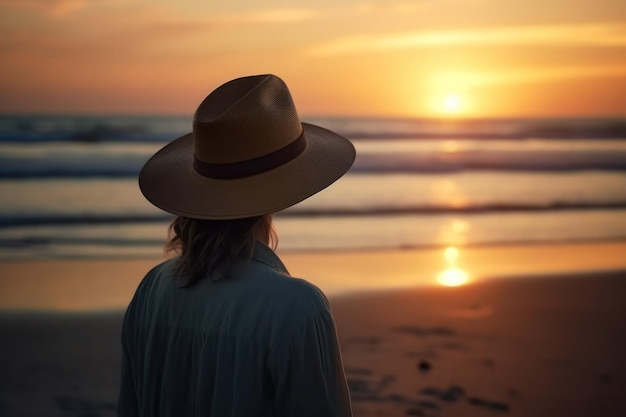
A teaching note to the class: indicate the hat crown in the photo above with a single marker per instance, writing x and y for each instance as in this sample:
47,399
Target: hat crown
244,119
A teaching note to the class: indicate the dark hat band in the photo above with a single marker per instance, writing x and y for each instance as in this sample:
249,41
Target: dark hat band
251,166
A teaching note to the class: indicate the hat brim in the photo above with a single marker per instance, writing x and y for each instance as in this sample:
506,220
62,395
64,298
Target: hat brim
169,181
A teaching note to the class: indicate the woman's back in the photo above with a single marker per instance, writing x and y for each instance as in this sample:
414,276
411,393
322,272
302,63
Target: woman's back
255,343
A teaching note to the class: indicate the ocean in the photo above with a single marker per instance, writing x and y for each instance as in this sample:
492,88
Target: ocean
68,185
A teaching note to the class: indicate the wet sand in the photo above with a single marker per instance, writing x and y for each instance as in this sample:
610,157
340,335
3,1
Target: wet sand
88,285
526,347
542,346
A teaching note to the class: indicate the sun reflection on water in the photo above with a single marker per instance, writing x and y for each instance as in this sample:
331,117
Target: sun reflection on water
452,276
451,253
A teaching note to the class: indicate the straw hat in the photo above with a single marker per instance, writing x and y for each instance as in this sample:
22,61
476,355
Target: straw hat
248,155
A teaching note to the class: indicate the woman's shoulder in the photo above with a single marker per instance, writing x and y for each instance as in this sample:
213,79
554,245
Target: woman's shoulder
155,273
304,290
274,280
165,267
294,297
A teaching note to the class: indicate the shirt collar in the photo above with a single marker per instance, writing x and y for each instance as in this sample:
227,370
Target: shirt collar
260,253
264,254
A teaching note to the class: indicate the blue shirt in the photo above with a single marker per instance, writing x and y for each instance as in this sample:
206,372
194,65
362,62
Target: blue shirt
257,343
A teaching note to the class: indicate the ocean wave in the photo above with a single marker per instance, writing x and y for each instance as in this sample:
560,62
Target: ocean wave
330,212
86,161
91,129
457,161
99,129
485,129
94,220
95,248
329,233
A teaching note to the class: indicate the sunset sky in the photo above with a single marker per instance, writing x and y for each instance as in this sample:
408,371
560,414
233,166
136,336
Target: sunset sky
466,58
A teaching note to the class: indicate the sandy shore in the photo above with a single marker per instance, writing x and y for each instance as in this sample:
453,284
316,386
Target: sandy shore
525,347
548,346
80,285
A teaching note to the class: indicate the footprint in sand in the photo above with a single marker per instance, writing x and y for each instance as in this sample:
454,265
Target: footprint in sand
450,395
493,405
428,405
425,331
362,389
359,371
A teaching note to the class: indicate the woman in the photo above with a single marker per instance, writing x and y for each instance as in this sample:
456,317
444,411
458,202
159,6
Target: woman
223,329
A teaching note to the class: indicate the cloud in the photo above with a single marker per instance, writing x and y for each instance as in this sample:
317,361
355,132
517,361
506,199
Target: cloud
62,8
607,34
135,26
469,79
65,8
399,7
273,16
51,8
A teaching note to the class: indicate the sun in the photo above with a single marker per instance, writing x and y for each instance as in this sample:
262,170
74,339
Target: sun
452,103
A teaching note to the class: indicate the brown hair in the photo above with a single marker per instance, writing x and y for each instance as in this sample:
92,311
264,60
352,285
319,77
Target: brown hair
207,247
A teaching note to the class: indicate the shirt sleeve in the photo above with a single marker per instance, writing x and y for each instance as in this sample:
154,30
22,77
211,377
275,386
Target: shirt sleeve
308,373
127,400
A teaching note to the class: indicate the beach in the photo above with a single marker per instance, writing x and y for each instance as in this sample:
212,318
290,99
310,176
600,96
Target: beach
546,344
474,253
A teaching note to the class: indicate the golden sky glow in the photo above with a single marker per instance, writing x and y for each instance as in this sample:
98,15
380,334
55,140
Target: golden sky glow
465,58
